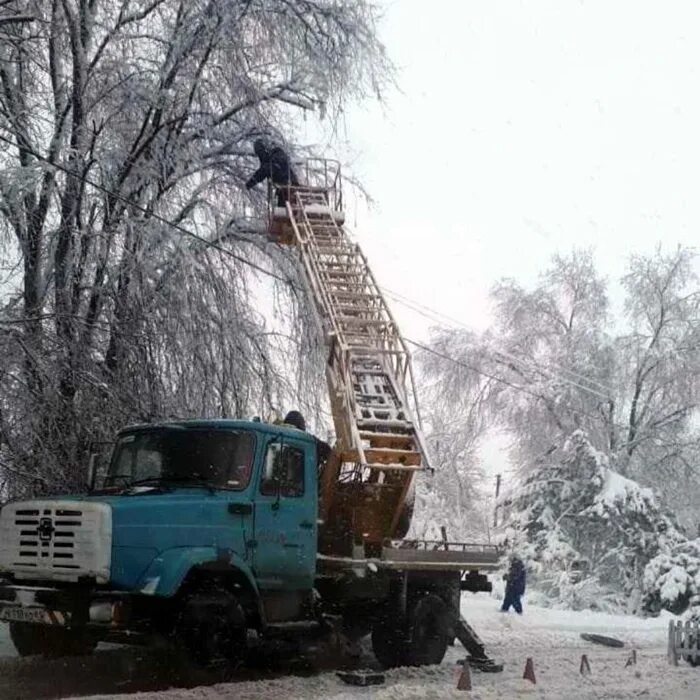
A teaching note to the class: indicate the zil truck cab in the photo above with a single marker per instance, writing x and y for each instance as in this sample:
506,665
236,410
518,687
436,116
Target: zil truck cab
207,534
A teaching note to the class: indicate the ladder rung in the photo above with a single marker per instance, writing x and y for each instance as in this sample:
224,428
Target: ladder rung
377,422
383,400
354,321
343,273
395,467
333,256
385,457
345,286
354,295
374,351
357,309
392,456
390,440
335,270
352,340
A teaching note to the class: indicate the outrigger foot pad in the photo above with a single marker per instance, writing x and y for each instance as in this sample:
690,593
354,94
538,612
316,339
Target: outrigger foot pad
485,665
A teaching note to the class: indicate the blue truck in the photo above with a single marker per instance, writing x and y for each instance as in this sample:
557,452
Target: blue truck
207,534
218,534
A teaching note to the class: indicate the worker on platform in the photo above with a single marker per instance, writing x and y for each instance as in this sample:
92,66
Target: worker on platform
515,585
275,166
295,419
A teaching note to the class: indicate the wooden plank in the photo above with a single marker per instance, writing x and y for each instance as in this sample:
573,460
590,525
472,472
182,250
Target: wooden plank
391,440
385,457
671,648
407,458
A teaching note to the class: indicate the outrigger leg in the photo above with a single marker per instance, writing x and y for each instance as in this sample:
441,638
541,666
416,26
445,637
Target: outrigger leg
477,659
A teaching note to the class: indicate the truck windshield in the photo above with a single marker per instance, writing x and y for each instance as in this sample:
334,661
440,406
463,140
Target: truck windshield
213,457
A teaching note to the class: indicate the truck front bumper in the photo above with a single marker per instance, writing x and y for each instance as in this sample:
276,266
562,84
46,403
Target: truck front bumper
70,606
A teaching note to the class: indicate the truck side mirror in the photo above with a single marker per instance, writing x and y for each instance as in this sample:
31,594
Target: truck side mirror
92,472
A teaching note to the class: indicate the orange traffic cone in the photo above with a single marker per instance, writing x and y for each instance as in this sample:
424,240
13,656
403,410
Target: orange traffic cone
585,669
529,671
632,660
465,678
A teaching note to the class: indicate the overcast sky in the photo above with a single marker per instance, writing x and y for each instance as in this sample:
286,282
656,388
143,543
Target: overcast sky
522,129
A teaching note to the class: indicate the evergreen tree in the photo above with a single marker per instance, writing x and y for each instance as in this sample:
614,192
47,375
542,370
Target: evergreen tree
586,531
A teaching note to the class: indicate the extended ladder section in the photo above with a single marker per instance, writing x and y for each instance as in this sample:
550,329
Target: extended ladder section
366,488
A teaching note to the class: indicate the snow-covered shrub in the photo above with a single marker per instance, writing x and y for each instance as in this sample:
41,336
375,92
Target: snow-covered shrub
672,578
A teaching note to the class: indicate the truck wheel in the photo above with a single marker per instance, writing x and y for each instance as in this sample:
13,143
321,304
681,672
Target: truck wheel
429,632
30,640
212,628
389,644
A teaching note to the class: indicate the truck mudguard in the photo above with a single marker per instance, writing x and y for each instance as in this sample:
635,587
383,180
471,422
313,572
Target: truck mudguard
169,569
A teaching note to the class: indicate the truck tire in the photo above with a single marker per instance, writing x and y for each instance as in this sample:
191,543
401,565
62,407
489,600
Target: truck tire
389,643
421,641
211,628
54,642
429,631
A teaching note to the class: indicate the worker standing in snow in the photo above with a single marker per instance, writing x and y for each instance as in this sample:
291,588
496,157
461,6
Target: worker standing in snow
275,166
515,585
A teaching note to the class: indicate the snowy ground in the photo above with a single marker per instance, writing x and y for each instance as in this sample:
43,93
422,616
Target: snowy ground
550,637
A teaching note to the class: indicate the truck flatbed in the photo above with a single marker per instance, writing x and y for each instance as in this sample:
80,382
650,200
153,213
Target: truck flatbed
421,555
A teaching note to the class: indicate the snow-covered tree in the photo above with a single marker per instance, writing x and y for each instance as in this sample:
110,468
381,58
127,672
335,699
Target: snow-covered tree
546,344
452,496
126,129
586,531
556,361
658,369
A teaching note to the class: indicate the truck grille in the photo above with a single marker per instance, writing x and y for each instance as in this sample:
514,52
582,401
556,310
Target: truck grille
62,540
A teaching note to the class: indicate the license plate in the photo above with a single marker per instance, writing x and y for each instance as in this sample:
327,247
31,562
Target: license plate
36,615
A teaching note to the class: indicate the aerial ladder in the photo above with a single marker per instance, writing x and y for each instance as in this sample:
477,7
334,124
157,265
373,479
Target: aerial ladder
367,484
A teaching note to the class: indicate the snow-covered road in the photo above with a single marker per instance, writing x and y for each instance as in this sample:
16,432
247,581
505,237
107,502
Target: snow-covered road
550,637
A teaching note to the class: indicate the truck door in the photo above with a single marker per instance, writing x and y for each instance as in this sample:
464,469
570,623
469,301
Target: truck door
284,555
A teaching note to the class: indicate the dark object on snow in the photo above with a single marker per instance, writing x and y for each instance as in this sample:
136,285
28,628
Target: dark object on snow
515,586
529,673
585,668
483,665
296,419
275,166
361,678
601,639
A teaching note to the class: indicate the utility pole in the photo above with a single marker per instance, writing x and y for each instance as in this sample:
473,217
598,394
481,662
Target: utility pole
495,507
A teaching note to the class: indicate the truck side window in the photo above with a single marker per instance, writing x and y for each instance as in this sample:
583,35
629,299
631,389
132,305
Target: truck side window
284,465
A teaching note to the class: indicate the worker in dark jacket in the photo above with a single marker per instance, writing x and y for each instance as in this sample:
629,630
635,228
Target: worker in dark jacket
515,585
296,419
275,166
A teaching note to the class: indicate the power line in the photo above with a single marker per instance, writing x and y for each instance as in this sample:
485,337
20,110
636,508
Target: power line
517,387
436,316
